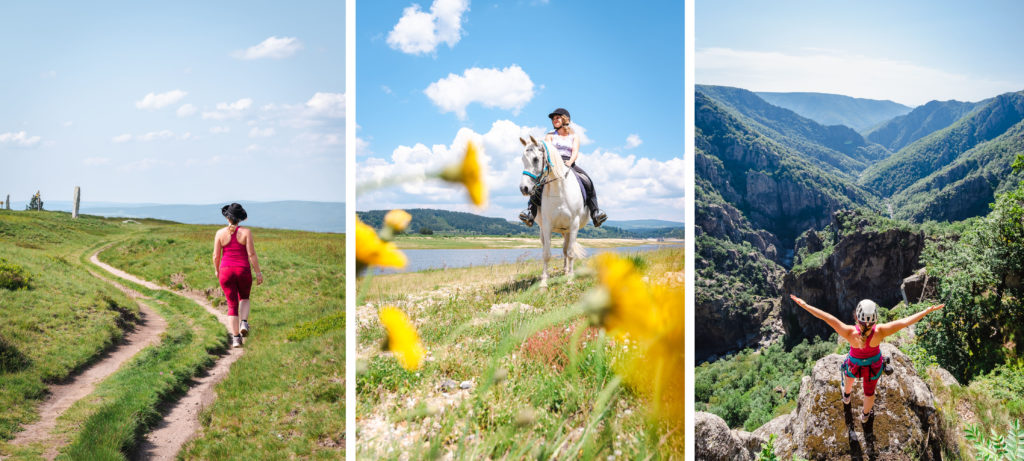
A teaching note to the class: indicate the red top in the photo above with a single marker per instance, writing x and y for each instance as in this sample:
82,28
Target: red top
234,254
868,351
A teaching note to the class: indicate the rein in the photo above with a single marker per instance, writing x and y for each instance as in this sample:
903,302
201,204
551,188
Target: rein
540,180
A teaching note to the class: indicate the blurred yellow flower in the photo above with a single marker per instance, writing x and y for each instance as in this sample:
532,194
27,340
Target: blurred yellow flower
397,220
470,174
629,311
650,320
370,250
403,340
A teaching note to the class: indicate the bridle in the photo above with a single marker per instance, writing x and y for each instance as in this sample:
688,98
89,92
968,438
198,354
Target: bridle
542,179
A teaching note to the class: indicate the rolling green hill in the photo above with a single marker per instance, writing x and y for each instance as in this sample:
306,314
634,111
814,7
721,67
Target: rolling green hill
836,109
776,187
933,152
427,220
900,131
62,318
838,149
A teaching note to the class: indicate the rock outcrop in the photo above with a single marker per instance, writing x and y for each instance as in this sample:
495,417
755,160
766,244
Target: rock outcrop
865,263
738,279
715,441
905,425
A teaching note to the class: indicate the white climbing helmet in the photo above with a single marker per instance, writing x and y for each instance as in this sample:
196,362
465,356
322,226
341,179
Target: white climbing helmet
867,312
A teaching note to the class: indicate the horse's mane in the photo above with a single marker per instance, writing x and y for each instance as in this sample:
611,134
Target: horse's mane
557,165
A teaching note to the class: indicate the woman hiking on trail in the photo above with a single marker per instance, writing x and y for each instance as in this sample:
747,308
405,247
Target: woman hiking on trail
865,358
233,251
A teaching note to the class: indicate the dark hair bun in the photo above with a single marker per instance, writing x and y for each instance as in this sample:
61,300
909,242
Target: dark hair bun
234,212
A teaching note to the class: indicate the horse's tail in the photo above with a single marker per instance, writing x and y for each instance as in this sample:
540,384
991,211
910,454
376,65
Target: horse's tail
577,251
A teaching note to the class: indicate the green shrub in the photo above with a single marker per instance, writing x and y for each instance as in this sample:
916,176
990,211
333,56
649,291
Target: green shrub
13,276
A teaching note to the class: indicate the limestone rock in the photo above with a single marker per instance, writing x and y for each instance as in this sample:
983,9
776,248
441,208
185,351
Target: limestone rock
918,286
905,424
865,264
716,442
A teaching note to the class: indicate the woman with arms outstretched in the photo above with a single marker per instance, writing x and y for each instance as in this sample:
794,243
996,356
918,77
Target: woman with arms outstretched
865,337
233,255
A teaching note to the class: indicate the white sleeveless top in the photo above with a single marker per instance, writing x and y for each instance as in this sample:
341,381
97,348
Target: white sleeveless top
562,144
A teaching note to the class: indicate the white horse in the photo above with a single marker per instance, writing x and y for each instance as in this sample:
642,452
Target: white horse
561,207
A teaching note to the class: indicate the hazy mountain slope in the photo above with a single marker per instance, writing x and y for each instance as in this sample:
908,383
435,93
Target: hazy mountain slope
775,187
900,131
835,109
931,153
967,186
837,148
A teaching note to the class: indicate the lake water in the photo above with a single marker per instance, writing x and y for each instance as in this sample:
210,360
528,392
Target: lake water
447,258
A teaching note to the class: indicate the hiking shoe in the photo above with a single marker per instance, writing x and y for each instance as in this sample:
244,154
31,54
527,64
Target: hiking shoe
236,341
526,217
864,417
847,398
244,329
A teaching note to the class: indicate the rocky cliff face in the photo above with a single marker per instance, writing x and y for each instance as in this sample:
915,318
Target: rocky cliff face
738,278
905,425
865,263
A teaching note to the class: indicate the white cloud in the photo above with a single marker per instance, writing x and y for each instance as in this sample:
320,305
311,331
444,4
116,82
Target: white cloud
508,88
633,141
362,146
48,74
95,161
122,138
261,133
272,48
20,139
629,186
68,123
229,110
186,136
186,110
836,72
155,135
157,101
220,129
327,105
252,148
419,32
386,89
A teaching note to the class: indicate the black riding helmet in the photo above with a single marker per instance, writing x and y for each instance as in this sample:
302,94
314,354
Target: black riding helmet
559,111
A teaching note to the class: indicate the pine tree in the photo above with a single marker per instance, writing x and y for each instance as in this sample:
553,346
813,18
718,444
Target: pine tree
36,204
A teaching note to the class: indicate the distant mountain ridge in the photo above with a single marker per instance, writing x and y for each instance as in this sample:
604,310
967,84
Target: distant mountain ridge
834,109
900,131
837,148
462,223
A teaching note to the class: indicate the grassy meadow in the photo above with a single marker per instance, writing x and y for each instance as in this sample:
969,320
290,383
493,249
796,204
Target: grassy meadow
285,397
543,398
66,318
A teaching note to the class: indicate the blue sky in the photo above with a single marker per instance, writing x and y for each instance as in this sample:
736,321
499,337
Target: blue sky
497,69
183,102
909,51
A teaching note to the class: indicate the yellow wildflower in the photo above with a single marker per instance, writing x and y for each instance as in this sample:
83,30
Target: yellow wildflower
403,340
649,320
397,220
470,174
629,312
370,250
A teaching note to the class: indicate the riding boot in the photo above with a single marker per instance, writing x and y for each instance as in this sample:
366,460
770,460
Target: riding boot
530,213
596,215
